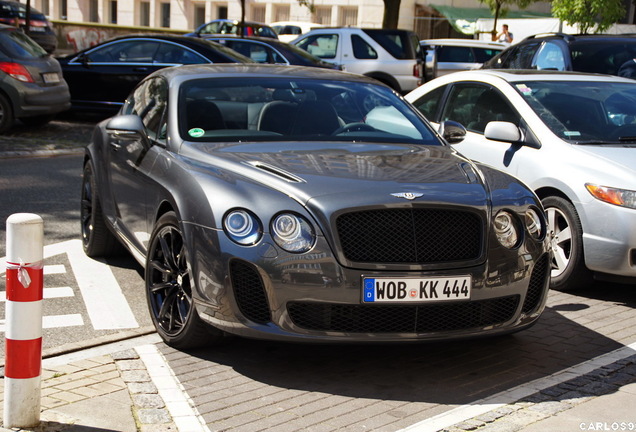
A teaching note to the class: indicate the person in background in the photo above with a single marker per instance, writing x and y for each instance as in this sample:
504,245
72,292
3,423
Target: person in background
505,35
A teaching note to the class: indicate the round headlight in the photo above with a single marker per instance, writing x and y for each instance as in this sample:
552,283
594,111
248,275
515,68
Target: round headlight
242,227
506,230
533,224
293,233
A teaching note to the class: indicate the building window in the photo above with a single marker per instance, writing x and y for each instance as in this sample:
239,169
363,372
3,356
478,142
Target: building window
112,11
144,13
199,14
322,15
165,15
93,11
258,13
348,16
63,10
281,13
221,12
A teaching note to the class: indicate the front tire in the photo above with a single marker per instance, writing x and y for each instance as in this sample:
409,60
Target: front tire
169,287
569,272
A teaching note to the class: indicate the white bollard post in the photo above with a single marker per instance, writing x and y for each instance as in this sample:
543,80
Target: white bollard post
23,334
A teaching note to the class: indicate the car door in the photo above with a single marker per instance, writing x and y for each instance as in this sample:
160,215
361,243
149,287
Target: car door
107,74
473,105
454,58
130,160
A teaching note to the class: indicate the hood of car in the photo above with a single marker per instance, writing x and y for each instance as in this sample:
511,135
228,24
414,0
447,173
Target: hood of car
371,174
616,157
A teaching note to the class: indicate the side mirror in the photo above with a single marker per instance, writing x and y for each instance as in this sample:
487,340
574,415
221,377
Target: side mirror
503,131
452,131
127,127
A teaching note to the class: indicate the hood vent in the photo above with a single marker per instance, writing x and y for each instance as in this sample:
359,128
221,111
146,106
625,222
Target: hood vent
271,169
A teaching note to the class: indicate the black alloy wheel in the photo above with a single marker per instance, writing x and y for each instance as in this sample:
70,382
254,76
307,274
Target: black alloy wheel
169,288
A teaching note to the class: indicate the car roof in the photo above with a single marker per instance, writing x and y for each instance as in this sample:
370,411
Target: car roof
267,40
516,75
578,37
463,42
262,70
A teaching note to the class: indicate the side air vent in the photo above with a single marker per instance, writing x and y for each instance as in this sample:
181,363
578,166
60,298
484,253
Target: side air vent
271,169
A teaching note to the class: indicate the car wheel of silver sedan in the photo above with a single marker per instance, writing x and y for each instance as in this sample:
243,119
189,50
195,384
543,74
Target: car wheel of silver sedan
568,263
97,239
169,288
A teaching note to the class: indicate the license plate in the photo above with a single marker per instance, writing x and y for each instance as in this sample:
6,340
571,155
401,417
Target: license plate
51,78
422,290
37,29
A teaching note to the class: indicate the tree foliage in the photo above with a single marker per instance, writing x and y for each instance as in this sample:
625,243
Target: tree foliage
499,8
592,16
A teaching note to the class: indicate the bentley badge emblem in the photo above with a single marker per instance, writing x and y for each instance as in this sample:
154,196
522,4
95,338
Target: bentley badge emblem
407,195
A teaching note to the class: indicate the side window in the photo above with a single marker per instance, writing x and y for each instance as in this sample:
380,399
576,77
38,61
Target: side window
177,54
430,102
361,49
324,46
134,51
549,57
475,105
149,101
455,54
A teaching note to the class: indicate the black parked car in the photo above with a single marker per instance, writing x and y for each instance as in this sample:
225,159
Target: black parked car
295,203
272,51
228,26
102,76
31,85
40,29
604,54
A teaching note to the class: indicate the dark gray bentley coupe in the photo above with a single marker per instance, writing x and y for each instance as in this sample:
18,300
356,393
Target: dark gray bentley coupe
293,203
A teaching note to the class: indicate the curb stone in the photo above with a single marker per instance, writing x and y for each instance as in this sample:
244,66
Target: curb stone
148,407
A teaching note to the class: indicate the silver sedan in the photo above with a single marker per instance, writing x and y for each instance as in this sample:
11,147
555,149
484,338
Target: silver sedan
571,137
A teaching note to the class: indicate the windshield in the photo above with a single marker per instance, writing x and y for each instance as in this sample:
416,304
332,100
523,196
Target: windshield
585,112
292,109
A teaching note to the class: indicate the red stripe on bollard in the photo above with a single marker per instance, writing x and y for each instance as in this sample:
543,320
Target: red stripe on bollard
25,360
16,291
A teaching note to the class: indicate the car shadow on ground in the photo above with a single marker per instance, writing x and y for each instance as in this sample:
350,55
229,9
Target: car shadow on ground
456,372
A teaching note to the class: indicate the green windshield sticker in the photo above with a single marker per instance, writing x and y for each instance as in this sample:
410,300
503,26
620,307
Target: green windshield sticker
196,132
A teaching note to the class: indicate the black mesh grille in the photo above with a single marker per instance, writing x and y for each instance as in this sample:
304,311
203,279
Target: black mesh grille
249,292
410,235
403,319
536,284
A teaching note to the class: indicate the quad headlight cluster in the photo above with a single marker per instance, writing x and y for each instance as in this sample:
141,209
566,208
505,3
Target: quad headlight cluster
290,231
508,227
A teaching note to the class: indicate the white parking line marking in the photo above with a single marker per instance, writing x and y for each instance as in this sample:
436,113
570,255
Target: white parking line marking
54,321
54,269
49,293
106,305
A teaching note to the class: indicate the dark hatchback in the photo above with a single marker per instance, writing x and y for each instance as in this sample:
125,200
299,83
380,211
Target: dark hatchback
40,29
271,51
604,54
101,77
31,85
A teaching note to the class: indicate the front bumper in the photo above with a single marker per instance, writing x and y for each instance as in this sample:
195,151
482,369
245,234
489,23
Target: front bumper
268,295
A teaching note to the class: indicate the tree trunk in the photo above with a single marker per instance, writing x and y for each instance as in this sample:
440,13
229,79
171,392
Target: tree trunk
391,14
